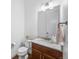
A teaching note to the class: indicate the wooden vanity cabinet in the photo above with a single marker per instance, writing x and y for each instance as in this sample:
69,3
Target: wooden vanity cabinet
42,52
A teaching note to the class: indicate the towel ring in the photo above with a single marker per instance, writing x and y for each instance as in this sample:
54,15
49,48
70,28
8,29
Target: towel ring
66,23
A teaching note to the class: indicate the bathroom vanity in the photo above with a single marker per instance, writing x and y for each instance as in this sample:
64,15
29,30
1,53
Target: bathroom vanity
43,50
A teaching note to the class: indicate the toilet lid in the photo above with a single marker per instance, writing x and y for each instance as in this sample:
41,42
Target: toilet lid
22,49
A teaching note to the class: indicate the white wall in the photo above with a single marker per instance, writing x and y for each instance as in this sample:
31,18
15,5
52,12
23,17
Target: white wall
30,20
17,23
64,11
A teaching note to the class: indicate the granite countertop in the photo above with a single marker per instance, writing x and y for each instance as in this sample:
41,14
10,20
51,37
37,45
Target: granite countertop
47,43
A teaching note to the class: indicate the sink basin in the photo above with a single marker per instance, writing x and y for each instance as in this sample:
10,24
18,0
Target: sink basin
22,51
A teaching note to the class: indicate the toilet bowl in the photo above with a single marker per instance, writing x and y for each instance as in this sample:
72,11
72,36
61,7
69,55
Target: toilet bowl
23,53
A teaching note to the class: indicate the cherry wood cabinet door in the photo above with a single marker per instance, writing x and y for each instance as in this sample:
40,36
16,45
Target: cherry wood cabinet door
45,56
36,54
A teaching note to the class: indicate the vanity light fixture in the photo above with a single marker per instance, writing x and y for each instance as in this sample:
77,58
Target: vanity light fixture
43,8
66,23
51,5
48,5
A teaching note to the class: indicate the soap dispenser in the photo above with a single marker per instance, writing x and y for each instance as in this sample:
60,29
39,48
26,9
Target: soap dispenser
53,38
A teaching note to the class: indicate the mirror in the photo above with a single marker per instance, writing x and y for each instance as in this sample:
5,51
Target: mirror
48,22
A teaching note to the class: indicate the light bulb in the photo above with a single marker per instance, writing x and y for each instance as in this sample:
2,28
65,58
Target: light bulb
51,5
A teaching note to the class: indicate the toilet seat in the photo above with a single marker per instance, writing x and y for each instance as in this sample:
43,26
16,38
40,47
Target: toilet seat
22,51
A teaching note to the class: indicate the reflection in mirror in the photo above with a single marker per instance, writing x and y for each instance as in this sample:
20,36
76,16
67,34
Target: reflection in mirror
48,23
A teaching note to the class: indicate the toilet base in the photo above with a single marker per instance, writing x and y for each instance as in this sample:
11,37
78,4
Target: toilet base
23,57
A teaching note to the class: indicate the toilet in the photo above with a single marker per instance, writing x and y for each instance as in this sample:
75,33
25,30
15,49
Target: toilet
23,53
